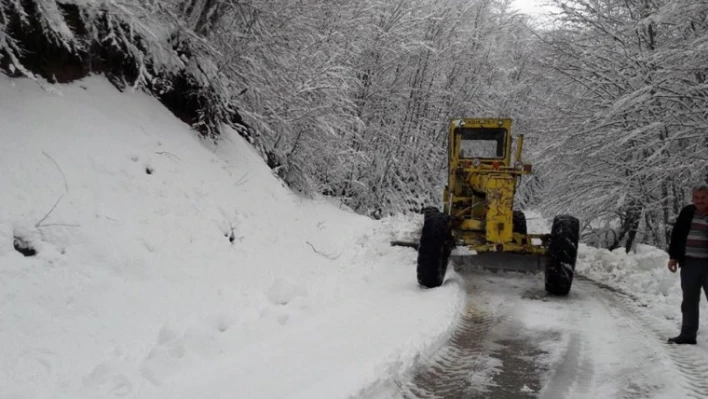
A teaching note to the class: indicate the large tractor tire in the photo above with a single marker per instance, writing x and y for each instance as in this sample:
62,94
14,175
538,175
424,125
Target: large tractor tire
562,254
434,249
519,223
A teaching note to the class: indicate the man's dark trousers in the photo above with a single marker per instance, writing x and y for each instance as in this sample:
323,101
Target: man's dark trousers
694,276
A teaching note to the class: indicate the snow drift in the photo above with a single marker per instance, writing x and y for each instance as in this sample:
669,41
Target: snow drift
167,266
642,275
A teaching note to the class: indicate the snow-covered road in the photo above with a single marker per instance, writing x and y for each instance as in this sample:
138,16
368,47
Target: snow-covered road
513,341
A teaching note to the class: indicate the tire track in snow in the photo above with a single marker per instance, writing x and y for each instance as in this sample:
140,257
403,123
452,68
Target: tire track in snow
570,379
493,354
691,361
575,370
448,374
476,362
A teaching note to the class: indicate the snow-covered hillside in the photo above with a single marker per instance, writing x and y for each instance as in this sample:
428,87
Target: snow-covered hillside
171,267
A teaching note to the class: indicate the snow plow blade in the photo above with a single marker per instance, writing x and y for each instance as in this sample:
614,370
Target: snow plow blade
506,261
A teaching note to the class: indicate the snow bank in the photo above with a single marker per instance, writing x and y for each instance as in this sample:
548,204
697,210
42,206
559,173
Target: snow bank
166,266
642,272
644,275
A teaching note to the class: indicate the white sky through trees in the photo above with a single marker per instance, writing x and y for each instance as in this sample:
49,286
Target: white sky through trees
531,7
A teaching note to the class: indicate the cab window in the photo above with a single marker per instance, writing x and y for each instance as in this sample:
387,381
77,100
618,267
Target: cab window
482,143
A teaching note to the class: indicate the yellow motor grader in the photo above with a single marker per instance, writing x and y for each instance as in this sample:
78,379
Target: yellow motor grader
478,211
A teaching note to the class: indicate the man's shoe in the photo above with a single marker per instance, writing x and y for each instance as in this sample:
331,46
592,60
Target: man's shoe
681,340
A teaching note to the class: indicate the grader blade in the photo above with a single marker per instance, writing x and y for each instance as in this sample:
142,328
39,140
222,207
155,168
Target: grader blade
505,261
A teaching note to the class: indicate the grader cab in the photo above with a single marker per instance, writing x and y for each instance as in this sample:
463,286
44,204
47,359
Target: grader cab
478,212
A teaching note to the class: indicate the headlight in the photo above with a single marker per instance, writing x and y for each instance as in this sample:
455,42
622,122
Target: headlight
476,162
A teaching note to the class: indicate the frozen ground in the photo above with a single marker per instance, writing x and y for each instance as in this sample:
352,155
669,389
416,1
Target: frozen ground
168,267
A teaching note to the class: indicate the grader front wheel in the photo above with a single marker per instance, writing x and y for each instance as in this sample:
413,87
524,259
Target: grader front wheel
562,254
434,249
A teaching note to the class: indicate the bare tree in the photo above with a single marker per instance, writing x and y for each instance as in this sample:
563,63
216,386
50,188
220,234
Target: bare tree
629,139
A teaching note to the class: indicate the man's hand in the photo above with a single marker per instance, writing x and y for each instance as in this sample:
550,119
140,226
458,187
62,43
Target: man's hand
673,265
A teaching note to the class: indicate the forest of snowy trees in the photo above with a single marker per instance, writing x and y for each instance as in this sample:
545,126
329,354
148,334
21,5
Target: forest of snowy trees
351,98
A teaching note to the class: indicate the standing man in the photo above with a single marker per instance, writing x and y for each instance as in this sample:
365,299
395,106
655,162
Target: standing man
689,250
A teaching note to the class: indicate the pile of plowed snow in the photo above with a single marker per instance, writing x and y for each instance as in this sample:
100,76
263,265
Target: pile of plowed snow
167,266
642,274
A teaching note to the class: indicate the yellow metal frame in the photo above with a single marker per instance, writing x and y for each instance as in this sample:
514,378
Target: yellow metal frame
479,196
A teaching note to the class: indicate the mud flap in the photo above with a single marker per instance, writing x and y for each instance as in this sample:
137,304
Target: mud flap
507,261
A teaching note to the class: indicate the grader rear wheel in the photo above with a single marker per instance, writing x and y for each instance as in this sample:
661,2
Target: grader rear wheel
434,249
562,254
